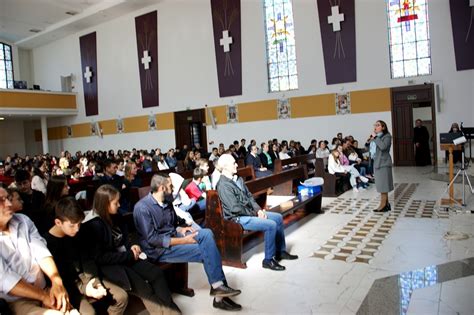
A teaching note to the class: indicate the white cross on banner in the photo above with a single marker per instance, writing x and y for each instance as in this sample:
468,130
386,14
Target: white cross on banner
146,60
336,18
88,74
226,40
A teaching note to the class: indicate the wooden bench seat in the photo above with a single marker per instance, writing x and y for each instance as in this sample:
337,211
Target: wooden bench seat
334,185
306,159
230,235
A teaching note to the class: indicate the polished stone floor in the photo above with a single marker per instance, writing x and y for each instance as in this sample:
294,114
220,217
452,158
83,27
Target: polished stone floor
402,275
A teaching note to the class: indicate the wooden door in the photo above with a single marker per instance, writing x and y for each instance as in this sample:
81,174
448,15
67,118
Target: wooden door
403,101
403,151
190,128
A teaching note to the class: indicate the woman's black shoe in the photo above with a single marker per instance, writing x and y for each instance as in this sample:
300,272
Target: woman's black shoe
384,209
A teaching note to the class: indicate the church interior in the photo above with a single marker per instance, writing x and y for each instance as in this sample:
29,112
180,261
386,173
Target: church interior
100,75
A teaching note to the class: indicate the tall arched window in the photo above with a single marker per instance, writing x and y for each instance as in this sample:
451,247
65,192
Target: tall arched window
281,47
6,66
409,38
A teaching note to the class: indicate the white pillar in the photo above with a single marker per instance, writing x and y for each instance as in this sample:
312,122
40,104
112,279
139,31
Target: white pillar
44,134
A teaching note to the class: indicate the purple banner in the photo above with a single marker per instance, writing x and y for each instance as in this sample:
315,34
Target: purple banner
337,23
146,27
227,44
462,20
88,46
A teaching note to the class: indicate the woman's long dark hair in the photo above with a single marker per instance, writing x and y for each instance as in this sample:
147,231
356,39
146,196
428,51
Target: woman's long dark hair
384,126
104,195
54,189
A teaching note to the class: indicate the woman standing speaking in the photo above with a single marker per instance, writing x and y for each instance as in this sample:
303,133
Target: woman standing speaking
380,144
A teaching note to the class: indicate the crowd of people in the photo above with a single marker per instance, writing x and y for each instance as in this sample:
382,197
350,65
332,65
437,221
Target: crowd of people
86,254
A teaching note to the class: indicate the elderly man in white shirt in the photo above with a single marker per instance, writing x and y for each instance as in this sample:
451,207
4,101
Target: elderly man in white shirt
24,260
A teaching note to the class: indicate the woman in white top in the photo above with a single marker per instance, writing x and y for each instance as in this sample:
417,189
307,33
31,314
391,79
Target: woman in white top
334,167
283,154
322,152
39,181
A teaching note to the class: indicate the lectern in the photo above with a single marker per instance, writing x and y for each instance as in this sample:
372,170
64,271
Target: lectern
450,148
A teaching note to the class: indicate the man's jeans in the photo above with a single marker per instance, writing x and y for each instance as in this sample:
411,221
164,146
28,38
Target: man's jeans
204,251
273,229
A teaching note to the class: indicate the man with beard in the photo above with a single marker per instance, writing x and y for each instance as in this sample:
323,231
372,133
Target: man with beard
163,240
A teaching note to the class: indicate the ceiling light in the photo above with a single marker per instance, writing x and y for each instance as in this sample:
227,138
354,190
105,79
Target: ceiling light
35,30
71,13
2,118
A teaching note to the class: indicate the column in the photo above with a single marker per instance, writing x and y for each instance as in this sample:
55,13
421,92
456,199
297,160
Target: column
44,134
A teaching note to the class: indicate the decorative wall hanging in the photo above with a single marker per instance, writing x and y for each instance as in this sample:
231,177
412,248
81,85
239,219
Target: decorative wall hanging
337,24
89,76
343,103
227,45
146,28
462,20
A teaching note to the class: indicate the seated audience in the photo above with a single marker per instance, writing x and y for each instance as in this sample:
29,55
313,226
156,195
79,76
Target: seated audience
130,177
194,191
15,199
335,167
253,160
239,206
57,189
189,163
81,280
283,154
25,260
162,165
322,152
214,155
182,204
171,159
242,151
32,199
39,181
265,157
120,262
162,240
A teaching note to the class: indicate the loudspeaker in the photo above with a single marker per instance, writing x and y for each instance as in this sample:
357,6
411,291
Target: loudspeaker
211,117
438,90
98,129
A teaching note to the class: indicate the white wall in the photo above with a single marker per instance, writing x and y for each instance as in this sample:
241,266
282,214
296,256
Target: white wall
12,138
24,63
187,71
32,146
423,113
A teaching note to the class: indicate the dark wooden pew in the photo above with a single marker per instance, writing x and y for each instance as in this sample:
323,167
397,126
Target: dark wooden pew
246,172
230,236
305,159
333,185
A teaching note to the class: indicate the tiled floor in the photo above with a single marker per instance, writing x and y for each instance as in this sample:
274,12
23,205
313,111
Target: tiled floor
414,240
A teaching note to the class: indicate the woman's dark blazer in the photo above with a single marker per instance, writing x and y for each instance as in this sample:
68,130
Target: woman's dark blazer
96,237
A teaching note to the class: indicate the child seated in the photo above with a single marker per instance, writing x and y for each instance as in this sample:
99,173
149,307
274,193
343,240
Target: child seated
80,278
194,191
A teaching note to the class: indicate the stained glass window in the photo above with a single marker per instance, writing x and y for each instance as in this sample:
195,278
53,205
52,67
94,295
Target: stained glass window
281,47
409,38
6,66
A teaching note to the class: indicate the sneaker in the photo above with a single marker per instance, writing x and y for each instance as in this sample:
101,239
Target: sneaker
355,190
227,304
363,179
224,291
